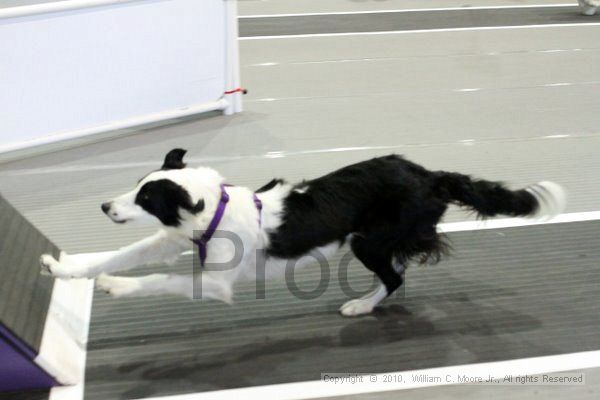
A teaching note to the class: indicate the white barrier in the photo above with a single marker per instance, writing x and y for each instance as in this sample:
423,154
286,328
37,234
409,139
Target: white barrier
79,67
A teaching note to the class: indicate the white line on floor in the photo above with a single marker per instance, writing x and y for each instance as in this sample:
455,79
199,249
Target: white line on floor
448,227
457,90
317,389
277,154
478,28
438,55
408,10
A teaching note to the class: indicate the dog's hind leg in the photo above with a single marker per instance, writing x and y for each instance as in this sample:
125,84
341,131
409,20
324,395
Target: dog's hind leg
200,287
374,256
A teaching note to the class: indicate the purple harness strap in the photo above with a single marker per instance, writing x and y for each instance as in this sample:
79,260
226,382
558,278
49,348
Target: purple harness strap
214,223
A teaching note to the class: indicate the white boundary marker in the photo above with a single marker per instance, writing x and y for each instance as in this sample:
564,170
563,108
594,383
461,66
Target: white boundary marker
63,349
477,28
448,227
317,389
71,299
66,333
406,10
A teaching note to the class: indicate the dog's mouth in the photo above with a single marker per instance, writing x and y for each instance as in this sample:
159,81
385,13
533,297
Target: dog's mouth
119,221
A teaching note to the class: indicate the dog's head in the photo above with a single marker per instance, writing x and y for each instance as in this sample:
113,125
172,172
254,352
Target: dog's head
166,196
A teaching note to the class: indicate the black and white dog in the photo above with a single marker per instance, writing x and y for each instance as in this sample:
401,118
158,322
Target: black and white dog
386,208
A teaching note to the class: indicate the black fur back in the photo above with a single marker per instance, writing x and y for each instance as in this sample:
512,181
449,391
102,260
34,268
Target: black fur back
390,202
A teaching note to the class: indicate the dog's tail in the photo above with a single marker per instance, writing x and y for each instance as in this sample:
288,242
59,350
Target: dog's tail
541,200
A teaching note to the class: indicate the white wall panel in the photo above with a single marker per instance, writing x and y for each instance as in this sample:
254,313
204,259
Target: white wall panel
79,70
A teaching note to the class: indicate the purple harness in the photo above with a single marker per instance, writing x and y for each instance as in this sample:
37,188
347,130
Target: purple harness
214,223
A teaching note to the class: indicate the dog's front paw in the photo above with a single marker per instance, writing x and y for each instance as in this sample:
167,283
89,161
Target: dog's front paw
61,269
47,264
118,286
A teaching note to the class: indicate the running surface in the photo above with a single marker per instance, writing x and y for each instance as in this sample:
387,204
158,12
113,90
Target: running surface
409,21
505,294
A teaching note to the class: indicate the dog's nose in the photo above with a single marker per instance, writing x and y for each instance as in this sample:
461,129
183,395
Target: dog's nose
105,207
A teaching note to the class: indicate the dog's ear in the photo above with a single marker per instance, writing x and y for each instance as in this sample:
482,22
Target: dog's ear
174,159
